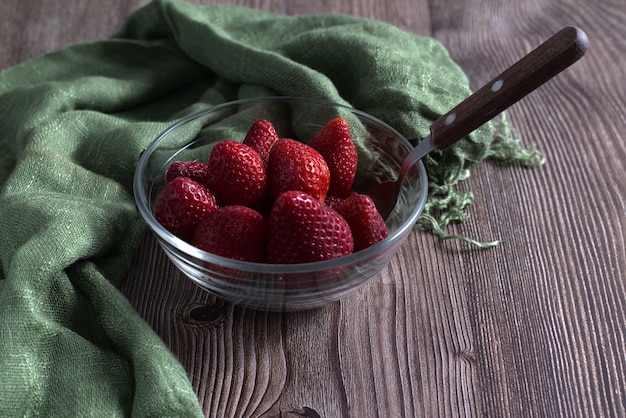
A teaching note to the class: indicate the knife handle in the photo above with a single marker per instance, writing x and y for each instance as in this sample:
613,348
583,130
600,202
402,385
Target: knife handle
546,61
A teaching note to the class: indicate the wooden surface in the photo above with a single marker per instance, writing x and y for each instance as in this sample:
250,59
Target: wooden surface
534,327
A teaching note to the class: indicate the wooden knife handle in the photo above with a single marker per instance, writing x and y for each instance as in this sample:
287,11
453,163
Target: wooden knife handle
546,61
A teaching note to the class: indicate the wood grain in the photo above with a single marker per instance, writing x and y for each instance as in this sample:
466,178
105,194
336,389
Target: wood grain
533,327
559,296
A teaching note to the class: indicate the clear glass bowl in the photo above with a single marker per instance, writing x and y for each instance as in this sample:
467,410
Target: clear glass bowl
278,287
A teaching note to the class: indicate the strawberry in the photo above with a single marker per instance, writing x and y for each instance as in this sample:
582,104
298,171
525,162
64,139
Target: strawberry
195,170
335,144
261,136
181,204
235,174
301,229
236,232
367,225
292,165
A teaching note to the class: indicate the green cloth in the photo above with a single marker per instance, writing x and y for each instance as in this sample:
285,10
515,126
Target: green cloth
72,126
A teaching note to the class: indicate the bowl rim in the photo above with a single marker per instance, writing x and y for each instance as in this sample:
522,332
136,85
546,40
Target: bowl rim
139,191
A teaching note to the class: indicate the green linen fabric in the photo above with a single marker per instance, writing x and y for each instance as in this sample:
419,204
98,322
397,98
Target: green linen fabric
72,126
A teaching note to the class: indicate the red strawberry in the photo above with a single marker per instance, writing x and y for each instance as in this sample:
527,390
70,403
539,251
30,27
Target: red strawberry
235,174
367,225
236,232
181,204
302,230
292,165
260,137
195,170
335,144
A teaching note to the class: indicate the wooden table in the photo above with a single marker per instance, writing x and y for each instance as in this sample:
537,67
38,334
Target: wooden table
533,327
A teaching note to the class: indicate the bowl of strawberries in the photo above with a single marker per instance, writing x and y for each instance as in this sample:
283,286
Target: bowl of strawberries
263,202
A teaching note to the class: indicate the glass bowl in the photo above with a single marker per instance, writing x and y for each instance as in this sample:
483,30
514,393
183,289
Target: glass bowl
282,287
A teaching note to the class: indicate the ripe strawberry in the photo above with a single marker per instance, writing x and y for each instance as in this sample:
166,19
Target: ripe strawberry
195,170
236,232
235,174
181,204
261,136
335,144
367,225
292,165
300,229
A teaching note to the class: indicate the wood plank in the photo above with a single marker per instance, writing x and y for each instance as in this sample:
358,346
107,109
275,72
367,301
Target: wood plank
549,301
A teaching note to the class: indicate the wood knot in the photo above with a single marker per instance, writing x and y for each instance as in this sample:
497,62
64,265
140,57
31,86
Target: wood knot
304,411
465,355
206,315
